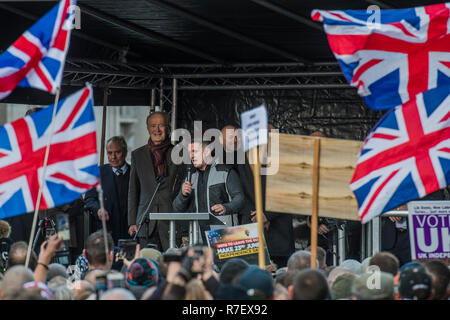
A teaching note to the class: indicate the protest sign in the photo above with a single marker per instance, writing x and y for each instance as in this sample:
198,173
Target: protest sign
254,127
236,242
429,229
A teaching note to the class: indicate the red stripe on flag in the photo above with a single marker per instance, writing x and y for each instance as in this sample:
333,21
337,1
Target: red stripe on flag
375,195
383,136
73,182
43,78
79,104
364,67
10,82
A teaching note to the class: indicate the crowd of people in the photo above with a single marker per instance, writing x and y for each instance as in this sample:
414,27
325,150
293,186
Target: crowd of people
153,182
189,273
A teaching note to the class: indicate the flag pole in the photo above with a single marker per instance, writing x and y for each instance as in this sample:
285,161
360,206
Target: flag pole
315,203
105,230
47,151
44,170
259,207
106,92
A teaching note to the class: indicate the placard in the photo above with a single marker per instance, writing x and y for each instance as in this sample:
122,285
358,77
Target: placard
254,127
429,229
235,242
290,189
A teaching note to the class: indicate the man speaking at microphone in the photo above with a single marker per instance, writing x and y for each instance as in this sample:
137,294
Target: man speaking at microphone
152,164
213,188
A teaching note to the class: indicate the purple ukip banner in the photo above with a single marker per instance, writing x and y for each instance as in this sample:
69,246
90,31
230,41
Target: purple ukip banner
429,229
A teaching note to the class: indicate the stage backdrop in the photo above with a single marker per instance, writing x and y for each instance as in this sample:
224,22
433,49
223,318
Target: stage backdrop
290,190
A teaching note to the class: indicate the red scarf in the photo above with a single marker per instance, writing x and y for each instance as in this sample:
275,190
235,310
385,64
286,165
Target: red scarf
158,153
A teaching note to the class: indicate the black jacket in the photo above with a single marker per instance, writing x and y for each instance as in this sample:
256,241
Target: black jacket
280,235
117,222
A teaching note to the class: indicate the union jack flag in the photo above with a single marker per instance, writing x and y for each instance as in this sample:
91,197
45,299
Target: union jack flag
406,155
391,60
37,58
72,163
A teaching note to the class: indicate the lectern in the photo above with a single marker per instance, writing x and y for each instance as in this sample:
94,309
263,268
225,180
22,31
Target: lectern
192,217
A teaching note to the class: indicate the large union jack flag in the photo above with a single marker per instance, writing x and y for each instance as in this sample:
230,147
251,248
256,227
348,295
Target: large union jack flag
72,163
406,155
37,58
390,61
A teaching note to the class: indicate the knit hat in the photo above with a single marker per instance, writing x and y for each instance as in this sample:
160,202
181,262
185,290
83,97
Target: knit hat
142,272
414,283
257,282
376,285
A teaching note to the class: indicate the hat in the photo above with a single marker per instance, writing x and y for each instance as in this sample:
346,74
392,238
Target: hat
414,283
342,287
257,282
150,253
377,285
142,272
231,292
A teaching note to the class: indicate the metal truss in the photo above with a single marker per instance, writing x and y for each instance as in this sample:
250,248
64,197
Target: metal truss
251,76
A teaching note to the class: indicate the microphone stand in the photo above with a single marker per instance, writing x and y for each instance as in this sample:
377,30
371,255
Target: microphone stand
144,217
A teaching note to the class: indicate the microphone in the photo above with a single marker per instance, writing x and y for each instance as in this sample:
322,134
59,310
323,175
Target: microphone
159,179
189,172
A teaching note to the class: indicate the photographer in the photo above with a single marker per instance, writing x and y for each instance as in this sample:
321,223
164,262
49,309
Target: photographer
48,249
95,254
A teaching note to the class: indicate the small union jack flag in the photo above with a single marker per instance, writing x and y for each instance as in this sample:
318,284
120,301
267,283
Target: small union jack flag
391,60
406,155
72,166
37,58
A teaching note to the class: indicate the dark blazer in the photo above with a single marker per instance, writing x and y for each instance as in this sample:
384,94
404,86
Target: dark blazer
280,235
142,186
117,222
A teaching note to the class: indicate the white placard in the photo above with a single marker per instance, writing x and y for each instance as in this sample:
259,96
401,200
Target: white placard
254,127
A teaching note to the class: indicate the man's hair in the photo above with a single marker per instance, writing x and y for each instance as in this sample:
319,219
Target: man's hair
120,140
5,229
55,270
18,253
310,284
299,260
95,248
386,261
321,256
118,294
32,110
232,269
14,280
162,113
440,276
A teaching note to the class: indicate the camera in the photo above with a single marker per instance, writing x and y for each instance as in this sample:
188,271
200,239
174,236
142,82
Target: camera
127,248
174,255
115,280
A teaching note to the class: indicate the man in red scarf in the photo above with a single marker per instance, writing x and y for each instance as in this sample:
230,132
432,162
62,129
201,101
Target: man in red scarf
148,163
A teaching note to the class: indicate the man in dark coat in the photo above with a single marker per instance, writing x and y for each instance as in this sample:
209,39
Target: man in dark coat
151,164
114,178
278,229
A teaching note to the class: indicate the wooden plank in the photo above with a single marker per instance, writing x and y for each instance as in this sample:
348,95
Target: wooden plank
290,189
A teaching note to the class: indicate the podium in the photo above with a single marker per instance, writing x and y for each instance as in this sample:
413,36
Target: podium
192,217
